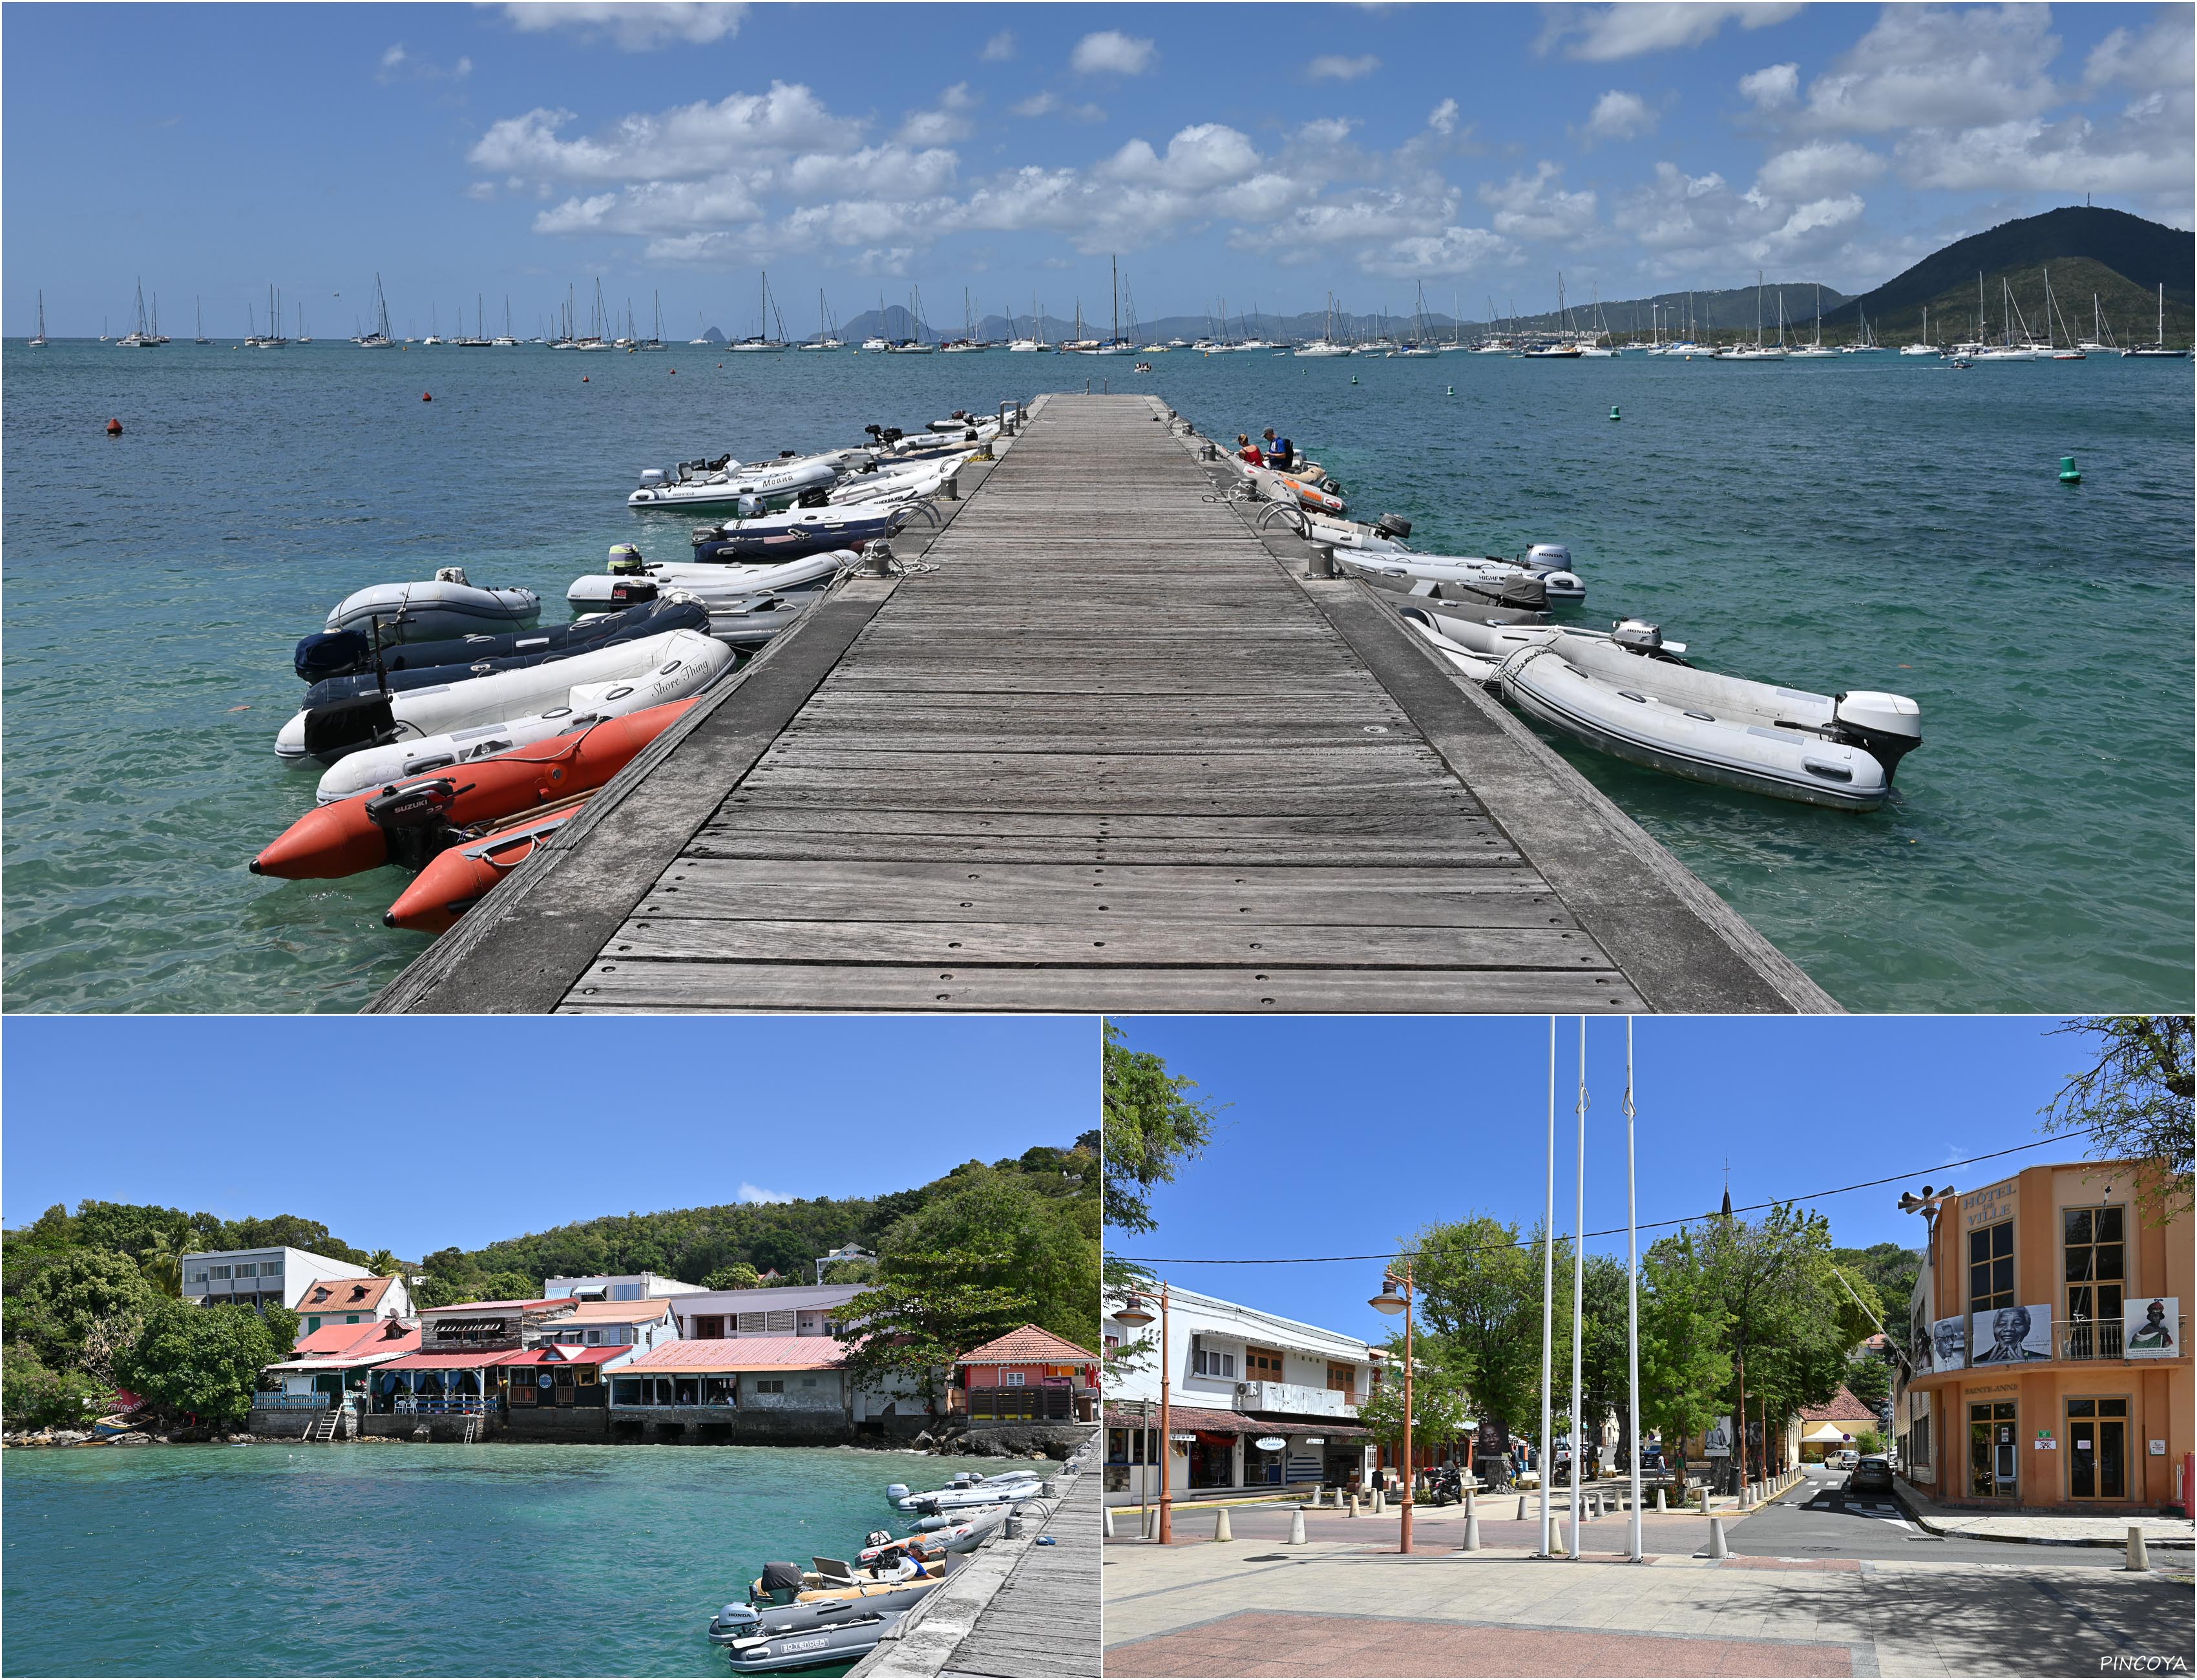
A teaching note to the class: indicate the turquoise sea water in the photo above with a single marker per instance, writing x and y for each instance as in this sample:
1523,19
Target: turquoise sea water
499,1559
1874,522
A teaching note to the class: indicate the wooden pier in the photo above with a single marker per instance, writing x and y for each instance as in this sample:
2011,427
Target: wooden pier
1117,751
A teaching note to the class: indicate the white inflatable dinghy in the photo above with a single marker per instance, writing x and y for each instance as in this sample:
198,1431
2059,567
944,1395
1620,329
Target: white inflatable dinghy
1380,549
330,732
716,483
686,673
447,606
717,585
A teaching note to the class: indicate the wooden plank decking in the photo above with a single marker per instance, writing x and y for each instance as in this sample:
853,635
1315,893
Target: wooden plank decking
1044,1621
1115,753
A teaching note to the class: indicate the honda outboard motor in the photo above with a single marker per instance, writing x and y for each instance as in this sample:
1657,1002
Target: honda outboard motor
1639,636
345,725
897,1490
734,1621
654,478
1392,524
1887,726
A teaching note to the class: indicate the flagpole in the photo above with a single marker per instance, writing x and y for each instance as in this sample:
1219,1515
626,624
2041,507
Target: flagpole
1578,1293
1549,1295
1632,1296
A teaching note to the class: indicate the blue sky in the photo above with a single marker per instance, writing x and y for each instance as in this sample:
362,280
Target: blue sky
1264,155
422,1133
1344,1135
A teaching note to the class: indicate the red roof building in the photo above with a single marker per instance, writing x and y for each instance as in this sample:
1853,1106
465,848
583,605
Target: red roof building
1029,1375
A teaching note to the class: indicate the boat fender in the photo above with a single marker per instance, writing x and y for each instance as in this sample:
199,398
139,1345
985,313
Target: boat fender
344,726
1887,727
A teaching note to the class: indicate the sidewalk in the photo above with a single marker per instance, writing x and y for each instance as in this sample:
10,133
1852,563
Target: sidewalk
2170,1533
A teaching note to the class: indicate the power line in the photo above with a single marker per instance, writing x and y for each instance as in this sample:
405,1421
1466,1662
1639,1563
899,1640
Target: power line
1615,1230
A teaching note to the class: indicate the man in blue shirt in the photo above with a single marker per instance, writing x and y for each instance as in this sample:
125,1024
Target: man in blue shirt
1280,452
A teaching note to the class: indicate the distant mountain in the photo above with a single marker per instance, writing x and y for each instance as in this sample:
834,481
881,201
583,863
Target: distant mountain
2120,258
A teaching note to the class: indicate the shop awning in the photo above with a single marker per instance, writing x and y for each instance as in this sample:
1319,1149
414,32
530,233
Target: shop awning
1825,1432
447,1361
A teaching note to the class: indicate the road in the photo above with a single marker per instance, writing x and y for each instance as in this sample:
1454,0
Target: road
1819,1518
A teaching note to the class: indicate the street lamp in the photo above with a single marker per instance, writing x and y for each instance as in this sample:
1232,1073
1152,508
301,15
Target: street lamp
1133,1314
1390,1302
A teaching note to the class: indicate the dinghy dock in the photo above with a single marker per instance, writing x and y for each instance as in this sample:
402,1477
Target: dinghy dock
1117,751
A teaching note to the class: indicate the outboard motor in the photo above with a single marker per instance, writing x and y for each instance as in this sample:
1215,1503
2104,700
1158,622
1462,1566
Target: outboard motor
1392,524
1887,726
347,725
654,478
414,818
633,592
897,1490
780,1577
626,560
1549,557
814,496
734,1621
876,1536
1637,635
450,575
787,454
747,506
333,653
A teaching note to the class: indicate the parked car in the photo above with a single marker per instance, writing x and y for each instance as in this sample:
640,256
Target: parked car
1847,1460
1872,1473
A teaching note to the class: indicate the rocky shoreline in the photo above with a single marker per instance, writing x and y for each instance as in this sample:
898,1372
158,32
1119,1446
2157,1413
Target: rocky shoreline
1036,1440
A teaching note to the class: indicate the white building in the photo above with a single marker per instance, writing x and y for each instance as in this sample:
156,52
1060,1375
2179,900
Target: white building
351,1300
629,1286
1258,1400
260,1276
640,1324
796,1309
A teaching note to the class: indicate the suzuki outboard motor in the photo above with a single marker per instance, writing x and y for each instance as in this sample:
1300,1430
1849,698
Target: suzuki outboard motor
1392,524
414,821
1887,726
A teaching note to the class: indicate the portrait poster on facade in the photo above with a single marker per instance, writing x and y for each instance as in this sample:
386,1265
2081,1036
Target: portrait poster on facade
1949,1344
1718,1443
2151,1327
2011,1335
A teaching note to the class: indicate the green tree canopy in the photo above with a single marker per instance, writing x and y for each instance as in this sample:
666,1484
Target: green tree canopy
201,1360
2135,1102
1152,1124
1685,1370
1479,1290
84,1293
739,1274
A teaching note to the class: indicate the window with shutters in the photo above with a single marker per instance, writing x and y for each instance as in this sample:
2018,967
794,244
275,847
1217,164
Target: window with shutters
780,1323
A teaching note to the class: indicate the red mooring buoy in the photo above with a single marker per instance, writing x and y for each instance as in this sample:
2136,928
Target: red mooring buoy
427,397
584,379
114,428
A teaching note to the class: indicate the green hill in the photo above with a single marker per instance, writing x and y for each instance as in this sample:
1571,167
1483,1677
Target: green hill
2121,257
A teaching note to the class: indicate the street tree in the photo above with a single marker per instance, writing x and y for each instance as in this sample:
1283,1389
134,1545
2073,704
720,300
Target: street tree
915,1330
1685,1370
2136,1102
1152,1122
1440,1407
1479,1289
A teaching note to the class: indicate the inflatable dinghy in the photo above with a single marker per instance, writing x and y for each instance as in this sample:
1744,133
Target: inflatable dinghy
750,623
328,732
699,483
351,652
677,612
718,585
836,1643
436,611
1380,549
367,830
788,535
1628,693
689,671
459,877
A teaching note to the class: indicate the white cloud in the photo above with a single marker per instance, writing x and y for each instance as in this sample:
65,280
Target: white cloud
1333,66
1111,51
2071,156
481,191
399,65
999,48
1535,206
1619,116
687,142
756,1193
895,169
1626,31
1207,154
2160,58
1691,227
393,57
1817,168
949,123
1924,66
1053,105
1454,251
1772,87
1443,118
635,25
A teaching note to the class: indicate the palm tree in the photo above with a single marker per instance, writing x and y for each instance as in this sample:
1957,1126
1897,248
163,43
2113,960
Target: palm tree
384,1264
163,1263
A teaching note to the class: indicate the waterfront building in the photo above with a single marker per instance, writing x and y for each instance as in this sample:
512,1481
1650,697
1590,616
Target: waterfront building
628,1286
793,1309
2048,1371
276,1277
329,1364
1029,1375
639,1325
492,1326
783,1388
352,1300
1258,1401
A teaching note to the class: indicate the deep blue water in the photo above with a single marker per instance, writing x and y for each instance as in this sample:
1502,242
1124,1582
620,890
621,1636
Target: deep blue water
497,1560
1872,521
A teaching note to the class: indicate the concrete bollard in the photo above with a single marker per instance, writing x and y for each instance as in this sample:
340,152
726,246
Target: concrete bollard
1353,1504
1471,1530
1151,1519
1522,1508
2138,1557
1296,1527
1379,1501
1220,1528
1659,1500
1717,1547
1106,1526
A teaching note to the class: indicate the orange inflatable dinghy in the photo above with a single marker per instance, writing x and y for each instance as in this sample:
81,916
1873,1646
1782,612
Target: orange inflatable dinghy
351,835
456,880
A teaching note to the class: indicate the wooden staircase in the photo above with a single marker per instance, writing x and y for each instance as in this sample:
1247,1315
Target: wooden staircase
325,1427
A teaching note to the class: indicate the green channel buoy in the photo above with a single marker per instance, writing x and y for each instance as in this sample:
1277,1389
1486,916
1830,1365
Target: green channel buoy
1613,415
1354,378
2068,475
1449,391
